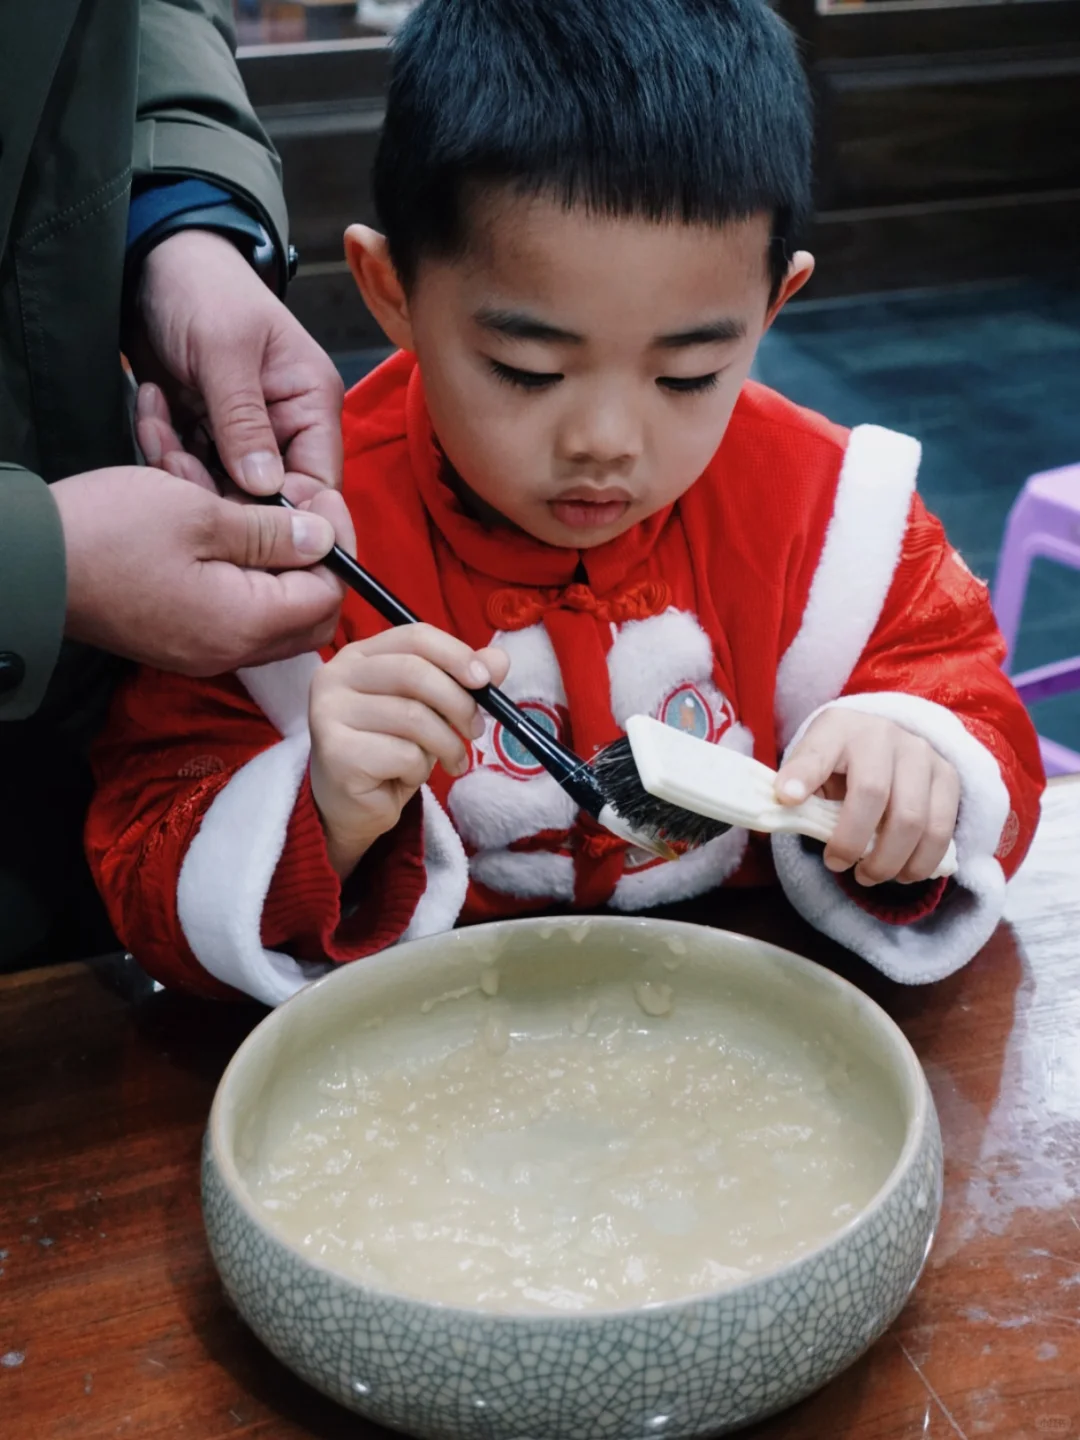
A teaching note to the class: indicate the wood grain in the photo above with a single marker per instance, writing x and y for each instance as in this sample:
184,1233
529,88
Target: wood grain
112,1322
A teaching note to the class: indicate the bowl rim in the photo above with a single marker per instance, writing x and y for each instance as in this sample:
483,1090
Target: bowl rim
914,1137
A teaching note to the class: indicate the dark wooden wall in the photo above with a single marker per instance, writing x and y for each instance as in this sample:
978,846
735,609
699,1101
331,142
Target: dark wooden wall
948,141
948,148
322,106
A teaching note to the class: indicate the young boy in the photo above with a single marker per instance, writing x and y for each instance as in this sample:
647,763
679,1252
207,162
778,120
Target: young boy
589,209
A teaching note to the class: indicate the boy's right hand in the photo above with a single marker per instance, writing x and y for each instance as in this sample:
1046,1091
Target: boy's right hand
383,712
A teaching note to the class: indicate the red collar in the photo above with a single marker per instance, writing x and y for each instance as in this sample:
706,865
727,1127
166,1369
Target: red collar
506,554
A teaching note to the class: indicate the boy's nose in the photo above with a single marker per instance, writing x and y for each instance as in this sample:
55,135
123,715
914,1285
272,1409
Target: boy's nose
606,433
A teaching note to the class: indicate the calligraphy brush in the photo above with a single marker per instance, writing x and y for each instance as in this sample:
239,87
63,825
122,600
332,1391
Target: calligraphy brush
657,825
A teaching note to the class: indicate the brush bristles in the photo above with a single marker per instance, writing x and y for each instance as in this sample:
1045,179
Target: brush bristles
617,773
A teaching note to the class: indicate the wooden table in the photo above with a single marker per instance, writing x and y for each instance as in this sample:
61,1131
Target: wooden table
112,1322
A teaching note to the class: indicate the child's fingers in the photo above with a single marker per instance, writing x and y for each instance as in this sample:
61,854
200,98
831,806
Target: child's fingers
459,660
497,662
812,762
363,760
407,719
869,783
905,819
942,812
352,675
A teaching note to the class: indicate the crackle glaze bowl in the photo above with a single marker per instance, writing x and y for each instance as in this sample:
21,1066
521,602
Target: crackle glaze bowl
700,1366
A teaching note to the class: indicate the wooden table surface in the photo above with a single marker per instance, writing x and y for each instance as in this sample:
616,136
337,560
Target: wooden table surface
112,1322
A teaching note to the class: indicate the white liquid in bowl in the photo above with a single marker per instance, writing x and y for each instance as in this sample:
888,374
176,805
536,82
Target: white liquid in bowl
621,1153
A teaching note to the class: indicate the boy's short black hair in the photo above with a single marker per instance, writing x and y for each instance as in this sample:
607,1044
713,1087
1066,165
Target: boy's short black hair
693,110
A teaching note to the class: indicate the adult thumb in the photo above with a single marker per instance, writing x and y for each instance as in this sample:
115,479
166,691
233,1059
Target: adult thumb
262,537
236,406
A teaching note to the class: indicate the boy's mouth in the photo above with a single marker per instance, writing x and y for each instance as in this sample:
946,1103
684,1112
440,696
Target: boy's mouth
585,508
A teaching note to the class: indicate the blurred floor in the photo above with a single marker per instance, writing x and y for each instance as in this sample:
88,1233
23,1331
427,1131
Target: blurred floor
988,379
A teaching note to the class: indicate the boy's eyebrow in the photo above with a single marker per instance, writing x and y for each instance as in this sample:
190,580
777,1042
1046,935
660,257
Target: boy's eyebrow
519,325
713,332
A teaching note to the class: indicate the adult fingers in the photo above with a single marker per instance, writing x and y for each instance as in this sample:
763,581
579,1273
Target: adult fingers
262,537
230,378
160,444
331,506
308,427
266,615
153,425
185,466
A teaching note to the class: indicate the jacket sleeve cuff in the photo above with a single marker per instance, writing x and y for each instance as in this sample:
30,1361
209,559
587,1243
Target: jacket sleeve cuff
913,948
192,146
33,588
258,840
309,910
895,904
194,118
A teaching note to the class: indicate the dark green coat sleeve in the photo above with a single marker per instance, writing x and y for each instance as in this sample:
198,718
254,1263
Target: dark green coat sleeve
194,117
32,586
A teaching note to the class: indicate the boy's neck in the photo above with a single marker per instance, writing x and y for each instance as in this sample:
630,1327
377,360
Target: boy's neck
473,506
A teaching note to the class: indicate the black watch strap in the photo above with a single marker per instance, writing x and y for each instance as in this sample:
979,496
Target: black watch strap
247,233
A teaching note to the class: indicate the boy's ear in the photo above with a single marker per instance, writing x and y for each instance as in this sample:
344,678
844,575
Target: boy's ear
376,279
798,273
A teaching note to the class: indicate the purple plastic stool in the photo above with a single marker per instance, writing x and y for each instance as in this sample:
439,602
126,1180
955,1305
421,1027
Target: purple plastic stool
1044,521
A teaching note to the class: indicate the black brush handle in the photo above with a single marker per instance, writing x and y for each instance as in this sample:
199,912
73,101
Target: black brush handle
572,773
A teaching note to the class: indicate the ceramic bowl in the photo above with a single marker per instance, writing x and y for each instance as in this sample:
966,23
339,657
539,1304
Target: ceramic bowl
696,1367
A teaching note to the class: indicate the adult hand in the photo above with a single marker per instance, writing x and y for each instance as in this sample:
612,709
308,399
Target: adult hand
163,448
164,572
225,349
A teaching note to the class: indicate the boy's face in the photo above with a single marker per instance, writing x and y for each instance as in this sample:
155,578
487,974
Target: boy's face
580,371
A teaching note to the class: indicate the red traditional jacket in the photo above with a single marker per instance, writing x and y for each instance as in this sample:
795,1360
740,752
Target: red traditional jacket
800,571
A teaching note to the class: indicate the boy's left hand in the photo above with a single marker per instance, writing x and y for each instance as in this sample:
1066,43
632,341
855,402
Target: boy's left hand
890,782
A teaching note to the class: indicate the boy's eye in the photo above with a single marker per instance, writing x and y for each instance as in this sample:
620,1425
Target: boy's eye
689,385
523,379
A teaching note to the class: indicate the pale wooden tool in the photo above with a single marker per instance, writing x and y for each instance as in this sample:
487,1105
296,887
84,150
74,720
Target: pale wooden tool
734,789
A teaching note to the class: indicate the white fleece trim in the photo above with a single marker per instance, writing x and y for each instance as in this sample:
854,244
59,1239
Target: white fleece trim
230,863
650,658
943,942
534,667
526,875
492,809
447,870
281,691
227,871
854,573
696,873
